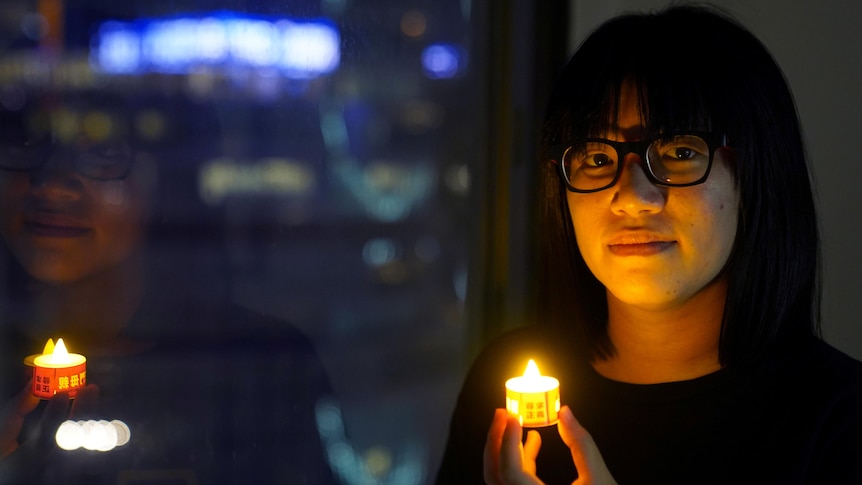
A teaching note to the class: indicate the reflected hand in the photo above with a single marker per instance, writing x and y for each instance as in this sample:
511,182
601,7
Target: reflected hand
15,459
12,418
508,461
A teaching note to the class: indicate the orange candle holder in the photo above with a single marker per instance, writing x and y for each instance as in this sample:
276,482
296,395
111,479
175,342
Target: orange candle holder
534,398
58,371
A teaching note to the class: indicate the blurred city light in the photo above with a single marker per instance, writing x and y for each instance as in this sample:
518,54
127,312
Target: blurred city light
413,23
442,61
380,251
297,49
221,178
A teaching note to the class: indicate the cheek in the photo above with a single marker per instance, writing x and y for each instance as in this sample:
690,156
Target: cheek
122,217
585,214
14,189
720,213
115,197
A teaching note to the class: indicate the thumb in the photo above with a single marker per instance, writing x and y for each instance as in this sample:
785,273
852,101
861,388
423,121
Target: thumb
12,418
586,455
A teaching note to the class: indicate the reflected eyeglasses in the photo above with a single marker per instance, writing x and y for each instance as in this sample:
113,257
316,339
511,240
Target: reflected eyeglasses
109,160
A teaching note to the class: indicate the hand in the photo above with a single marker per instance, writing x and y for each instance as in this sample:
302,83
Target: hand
16,461
508,461
12,418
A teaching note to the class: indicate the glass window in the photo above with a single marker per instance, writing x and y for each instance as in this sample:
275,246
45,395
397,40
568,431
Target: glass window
251,223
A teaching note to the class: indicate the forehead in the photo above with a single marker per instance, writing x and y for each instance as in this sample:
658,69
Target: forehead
635,109
625,119
67,117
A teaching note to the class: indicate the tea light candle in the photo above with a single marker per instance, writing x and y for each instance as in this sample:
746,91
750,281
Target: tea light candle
48,349
58,371
534,398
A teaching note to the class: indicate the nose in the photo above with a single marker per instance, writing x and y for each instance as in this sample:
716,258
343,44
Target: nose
634,193
56,179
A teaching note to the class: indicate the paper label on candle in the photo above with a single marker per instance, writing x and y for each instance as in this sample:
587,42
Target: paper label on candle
48,381
534,408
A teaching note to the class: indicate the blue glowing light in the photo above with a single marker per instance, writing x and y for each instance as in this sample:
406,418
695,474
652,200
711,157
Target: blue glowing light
298,49
120,49
442,61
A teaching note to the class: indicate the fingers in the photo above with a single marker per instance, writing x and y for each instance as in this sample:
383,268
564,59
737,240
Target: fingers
55,413
531,451
507,461
511,451
35,451
588,460
491,456
84,404
12,418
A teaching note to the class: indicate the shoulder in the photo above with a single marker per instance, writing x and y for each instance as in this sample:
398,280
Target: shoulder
258,338
819,364
263,330
828,386
812,372
834,379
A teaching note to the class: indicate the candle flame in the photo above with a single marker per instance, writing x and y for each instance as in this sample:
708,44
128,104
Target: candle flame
60,351
532,369
49,347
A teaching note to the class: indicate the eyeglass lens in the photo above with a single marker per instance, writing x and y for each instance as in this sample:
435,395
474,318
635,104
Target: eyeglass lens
677,160
108,160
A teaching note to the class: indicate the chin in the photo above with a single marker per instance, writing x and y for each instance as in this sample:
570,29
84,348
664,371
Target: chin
55,276
53,269
649,298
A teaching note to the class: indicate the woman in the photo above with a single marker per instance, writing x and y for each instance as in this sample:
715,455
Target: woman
107,253
679,279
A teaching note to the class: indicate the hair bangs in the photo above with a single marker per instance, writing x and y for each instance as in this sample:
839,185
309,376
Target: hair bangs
676,91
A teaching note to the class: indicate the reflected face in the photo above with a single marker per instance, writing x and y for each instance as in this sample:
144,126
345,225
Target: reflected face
655,247
64,227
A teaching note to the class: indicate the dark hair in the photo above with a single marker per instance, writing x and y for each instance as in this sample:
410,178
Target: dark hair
695,68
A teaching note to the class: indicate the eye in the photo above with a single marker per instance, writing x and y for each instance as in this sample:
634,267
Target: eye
593,155
598,160
25,147
684,153
681,148
109,151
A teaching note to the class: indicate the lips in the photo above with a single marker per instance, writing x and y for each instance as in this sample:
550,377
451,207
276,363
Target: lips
639,244
54,225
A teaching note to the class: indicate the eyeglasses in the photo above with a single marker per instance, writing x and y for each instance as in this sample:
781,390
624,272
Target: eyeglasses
109,160
677,160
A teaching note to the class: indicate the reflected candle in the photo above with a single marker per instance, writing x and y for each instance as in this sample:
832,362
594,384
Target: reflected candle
534,398
48,349
58,371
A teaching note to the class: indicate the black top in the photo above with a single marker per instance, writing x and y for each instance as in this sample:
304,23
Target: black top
794,417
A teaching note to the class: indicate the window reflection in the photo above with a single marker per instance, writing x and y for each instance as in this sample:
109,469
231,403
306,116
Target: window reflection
274,287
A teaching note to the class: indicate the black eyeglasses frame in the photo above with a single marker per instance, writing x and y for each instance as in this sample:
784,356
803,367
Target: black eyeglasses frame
713,140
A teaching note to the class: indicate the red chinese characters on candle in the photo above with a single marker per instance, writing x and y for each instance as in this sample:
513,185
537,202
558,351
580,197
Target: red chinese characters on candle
58,371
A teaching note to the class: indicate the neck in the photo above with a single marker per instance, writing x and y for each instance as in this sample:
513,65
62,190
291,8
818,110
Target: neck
665,345
91,312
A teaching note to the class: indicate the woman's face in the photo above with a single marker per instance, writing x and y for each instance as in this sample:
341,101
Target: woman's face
64,227
655,247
